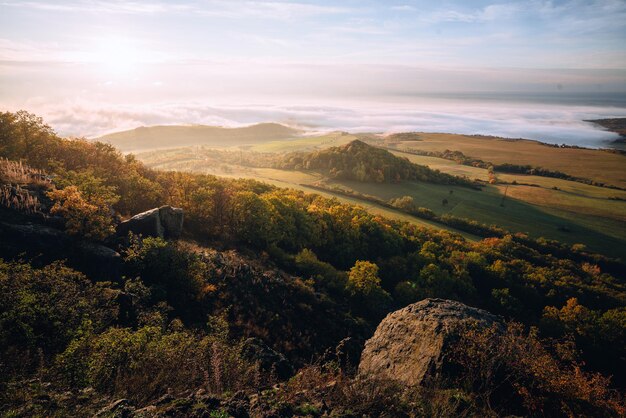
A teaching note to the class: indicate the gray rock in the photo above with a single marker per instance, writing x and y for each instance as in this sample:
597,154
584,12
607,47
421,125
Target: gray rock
122,408
410,345
172,221
96,260
163,222
269,360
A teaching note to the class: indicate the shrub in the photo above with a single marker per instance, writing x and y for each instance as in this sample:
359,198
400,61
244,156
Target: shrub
174,274
90,218
146,363
41,310
513,372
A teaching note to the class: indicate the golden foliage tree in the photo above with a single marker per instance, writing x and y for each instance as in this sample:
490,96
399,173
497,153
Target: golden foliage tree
89,218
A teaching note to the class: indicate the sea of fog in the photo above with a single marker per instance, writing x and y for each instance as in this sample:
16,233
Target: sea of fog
556,118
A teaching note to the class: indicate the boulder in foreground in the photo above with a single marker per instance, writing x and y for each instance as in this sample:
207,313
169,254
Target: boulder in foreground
410,345
163,222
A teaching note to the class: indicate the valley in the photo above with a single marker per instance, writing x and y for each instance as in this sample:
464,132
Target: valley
554,208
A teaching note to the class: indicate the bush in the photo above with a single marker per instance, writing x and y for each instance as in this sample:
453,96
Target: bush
512,372
41,310
149,362
174,274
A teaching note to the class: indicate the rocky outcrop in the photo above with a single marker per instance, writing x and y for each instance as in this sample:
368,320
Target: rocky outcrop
346,354
163,222
121,408
410,345
269,360
48,244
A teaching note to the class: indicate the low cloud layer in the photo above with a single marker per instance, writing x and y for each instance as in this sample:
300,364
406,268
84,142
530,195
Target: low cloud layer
552,123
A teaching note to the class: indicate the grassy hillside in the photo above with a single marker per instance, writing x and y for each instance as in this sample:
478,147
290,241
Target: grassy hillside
155,137
306,143
553,208
599,165
520,211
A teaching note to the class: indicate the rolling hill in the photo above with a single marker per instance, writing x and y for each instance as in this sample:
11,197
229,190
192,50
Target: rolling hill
362,162
154,137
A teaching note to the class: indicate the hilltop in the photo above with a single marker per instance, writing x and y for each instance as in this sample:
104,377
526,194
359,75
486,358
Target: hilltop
366,163
617,125
153,137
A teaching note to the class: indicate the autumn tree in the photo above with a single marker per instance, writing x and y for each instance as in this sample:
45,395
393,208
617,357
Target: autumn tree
86,217
364,286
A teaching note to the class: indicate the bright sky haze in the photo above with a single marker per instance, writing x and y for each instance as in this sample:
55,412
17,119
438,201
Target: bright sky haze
110,63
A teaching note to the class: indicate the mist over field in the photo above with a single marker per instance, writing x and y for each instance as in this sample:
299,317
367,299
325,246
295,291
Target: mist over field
540,118
551,123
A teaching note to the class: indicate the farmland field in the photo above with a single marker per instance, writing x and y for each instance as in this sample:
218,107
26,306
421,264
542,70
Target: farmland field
598,165
568,211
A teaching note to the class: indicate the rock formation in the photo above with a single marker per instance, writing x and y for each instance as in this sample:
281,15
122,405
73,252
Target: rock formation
410,345
269,360
163,222
50,244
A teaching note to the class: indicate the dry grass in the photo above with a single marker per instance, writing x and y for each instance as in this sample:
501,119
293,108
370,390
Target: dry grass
16,172
588,163
14,176
14,197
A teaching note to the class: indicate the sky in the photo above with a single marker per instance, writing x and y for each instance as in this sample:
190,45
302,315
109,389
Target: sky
94,66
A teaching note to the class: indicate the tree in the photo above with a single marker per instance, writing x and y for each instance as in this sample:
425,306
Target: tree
252,220
405,203
88,218
492,175
363,278
364,285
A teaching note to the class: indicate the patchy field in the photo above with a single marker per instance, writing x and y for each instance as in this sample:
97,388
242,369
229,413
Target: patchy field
598,165
307,143
604,233
564,210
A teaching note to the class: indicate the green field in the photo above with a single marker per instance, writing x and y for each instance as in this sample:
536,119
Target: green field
602,234
307,143
568,211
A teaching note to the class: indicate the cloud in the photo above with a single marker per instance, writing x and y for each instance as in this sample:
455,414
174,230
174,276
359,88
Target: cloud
552,123
11,50
404,8
217,8
489,13
98,6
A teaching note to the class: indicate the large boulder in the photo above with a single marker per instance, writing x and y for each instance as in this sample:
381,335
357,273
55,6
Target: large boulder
48,244
410,345
163,222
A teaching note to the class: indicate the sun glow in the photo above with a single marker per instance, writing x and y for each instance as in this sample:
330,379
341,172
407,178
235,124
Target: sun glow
116,57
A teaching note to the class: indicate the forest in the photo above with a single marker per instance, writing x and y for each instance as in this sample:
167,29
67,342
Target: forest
292,272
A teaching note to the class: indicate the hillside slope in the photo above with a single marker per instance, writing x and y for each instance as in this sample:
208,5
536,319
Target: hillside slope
263,277
362,162
146,138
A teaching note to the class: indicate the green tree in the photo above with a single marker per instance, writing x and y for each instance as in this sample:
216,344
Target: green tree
252,219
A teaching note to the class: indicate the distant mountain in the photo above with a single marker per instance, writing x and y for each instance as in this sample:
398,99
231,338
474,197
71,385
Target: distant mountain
617,125
152,137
